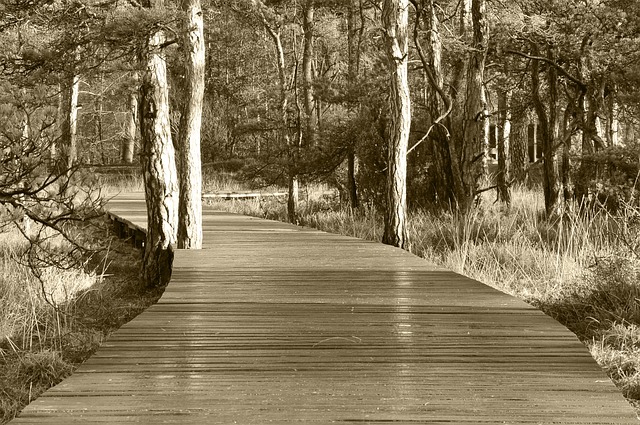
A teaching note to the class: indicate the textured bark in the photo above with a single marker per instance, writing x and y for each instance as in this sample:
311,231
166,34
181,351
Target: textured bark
567,181
475,113
395,20
613,124
159,167
436,99
354,32
456,122
548,132
68,150
352,187
129,143
503,142
190,177
519,145
292,201
307,73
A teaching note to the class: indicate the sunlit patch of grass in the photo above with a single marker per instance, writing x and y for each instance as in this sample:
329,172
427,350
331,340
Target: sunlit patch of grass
51,324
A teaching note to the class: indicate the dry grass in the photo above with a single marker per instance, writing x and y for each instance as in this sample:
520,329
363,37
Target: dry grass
52,324
581,269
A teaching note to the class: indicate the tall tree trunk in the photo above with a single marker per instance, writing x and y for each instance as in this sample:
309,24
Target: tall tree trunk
613,124
158,163
504,139
307,73
475,112
548,130
68,150
190,170
567,135
129,143
519,148
456,122
438,103
395,20
54,149
353,69
292,146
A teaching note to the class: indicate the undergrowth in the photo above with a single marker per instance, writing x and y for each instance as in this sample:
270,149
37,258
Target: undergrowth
52,324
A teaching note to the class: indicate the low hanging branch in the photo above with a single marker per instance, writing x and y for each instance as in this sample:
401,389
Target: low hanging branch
548,61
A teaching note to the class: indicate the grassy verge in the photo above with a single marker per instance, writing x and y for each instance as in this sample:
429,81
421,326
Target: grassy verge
52,324
581,270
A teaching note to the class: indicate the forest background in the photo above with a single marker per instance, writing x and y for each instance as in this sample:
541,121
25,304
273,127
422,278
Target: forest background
497,138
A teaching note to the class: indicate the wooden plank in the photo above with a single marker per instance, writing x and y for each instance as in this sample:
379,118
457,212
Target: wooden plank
271,323
242,195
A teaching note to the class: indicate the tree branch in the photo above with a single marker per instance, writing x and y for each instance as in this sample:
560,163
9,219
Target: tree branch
560,69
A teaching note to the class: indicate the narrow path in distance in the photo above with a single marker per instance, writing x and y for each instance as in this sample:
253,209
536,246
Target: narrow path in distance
272,323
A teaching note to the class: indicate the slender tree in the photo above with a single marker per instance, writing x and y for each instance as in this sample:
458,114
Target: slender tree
438,101
190,168
503,142
355,27
549,127
308,25
68,144
129,142
395,21
273,23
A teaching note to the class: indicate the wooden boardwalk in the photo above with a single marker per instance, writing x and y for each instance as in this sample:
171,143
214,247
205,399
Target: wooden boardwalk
272,323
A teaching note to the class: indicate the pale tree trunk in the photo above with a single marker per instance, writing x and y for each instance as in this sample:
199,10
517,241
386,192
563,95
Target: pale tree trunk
129,143
67,148
99,112
190,178
551,165
273,24
613,124
504,139
26,135
395,21
292,146
158,163
475,112
307,73
567,181
54,149
353,34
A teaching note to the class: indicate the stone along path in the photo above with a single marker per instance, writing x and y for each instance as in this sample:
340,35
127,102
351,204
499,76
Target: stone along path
272,323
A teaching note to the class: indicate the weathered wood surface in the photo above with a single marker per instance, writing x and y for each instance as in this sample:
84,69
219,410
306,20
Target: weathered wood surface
271,323
242,195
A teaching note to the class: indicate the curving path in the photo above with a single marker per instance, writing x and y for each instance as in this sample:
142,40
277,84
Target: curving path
273,323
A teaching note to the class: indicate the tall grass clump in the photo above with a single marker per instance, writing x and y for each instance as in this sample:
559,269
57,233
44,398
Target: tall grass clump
583,268
36,323
53,318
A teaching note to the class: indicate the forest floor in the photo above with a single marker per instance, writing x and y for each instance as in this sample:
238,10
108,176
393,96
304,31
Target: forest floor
581,269
51,325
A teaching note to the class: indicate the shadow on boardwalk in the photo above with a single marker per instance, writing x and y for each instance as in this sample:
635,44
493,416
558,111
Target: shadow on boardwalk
275,324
